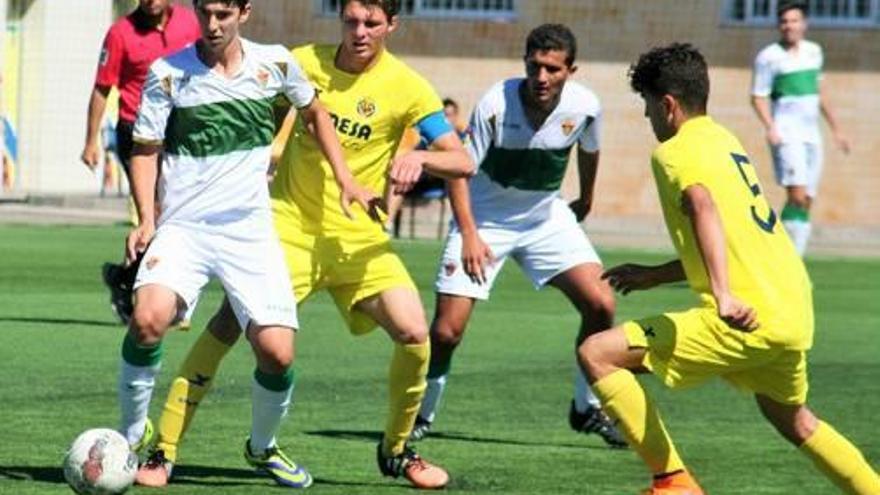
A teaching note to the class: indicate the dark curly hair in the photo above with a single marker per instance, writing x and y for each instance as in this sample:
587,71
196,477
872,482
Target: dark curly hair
552,37
679,70
390,7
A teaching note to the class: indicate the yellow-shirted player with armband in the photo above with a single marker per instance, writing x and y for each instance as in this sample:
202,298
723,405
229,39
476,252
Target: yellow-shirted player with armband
372,98
754,321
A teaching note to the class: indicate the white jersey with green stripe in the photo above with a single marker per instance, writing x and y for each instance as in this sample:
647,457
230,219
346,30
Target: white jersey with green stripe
521,168
217,131
790,78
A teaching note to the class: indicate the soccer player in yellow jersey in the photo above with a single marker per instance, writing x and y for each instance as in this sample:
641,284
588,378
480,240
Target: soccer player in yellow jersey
754,322
372,98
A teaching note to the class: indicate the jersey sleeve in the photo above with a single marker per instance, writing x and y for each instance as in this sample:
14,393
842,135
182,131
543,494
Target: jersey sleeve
424,101
589,139
762,77
155,108
110,60
481,131
296,86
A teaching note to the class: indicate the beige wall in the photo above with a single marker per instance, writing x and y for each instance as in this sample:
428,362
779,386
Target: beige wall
608,30
464,58
58,63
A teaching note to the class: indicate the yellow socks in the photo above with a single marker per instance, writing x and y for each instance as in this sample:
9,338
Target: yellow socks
409,365
189,387
638,419
840,461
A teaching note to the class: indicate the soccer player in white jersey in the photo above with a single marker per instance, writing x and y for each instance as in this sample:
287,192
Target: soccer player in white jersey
522,133
209,109
788,95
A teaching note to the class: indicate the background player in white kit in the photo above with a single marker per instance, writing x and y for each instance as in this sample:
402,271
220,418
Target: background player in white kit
788,95
209,109
522,132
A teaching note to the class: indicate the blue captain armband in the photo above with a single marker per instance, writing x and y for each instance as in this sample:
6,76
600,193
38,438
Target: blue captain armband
434,126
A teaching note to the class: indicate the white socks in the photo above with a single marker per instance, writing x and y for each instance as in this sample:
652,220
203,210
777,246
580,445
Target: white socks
135,391
799,231
584,398
268,409
433,394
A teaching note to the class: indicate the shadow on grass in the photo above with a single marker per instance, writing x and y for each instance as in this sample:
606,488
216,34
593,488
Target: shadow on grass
183,475
46,474
59,321
220,476
375,436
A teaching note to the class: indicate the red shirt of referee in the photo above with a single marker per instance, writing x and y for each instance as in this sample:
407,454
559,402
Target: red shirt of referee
155,29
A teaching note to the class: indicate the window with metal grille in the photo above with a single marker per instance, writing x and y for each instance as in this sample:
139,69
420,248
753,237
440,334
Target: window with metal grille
827,13
501,10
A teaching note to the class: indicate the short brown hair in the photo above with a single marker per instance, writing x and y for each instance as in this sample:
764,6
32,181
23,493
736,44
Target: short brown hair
238,3
791,5
390,7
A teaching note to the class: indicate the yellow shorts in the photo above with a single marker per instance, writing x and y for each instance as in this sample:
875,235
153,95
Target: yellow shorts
686,349
350,270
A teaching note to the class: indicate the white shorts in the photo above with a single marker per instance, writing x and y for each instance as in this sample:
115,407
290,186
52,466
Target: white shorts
798,164
542,251
251,268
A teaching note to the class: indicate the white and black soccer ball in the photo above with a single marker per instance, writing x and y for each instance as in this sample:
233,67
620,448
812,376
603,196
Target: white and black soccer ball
100,462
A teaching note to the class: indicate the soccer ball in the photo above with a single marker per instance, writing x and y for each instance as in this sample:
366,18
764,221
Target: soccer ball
100,462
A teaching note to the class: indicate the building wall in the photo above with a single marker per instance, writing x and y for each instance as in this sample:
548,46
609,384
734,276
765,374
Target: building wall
463,58
58,63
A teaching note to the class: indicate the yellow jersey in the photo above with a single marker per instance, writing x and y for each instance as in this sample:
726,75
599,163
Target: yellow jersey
371,111
764,270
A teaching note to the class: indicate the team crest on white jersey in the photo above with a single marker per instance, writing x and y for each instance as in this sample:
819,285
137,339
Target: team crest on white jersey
366,107
263,77
568,127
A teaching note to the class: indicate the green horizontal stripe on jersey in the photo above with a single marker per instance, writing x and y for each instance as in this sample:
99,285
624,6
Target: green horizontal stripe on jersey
800,83
526,169
220,128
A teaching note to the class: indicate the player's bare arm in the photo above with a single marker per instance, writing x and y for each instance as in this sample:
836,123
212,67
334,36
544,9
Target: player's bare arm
144,172
475,254
632,276
446,159
316,117
588,164
840,139
698,204
97,105
761,104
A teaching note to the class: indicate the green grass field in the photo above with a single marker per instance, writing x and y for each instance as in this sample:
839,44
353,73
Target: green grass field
502,427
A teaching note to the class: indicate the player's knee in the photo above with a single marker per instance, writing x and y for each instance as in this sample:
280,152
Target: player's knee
798,426
795,423
805,425
800,200
446,333
276,360
591,358
148,326
412,334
